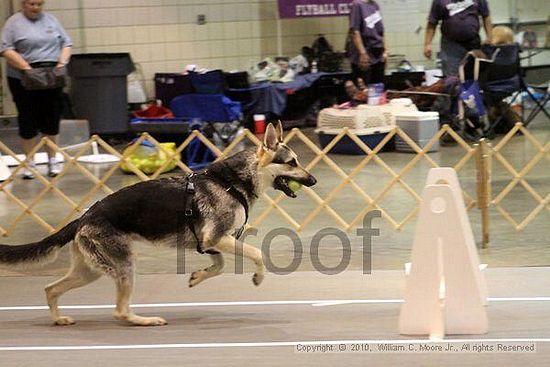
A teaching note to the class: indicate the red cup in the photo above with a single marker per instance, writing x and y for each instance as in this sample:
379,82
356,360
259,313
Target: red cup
259,124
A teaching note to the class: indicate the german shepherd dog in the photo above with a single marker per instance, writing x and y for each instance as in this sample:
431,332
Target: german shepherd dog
157,211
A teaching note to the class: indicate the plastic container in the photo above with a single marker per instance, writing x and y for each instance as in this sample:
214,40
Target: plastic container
314,68
259,124
421,127
72,132
376,92
370,136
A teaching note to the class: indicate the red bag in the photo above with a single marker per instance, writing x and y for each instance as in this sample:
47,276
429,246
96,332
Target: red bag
154,111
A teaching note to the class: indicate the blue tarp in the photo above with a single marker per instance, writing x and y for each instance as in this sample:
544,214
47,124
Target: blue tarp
206,107
272,97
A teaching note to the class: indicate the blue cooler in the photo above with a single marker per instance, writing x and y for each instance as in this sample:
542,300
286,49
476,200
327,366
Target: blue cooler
370,136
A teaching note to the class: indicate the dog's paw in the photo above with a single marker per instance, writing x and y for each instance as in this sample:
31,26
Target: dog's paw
146,321
257,279
120,316
200,275
195,278
154,321
64,320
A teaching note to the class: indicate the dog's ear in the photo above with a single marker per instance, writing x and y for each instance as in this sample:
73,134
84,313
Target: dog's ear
280,131
270,137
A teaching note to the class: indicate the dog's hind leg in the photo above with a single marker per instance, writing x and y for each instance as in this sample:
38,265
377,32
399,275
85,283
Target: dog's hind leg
231,245
110,252
210,272
79,275
124,286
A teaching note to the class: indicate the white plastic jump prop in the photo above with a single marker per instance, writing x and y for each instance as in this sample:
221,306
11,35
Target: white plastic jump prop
446,291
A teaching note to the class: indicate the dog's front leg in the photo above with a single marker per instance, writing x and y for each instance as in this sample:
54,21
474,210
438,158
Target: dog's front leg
210,272
231,245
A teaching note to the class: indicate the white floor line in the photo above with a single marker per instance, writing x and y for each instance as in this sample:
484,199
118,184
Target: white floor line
264,344
490,299
315,303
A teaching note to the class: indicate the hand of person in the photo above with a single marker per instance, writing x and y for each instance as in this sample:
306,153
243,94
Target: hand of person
428,51
350,88
385,56
364,61
361,84
60,65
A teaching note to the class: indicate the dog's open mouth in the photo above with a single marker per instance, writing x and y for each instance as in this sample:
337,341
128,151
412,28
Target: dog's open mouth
281,184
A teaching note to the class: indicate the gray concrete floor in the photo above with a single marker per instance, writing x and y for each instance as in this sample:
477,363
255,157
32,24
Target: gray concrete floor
514,259
206,333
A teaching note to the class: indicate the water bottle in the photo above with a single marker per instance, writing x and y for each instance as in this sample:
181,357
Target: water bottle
314,67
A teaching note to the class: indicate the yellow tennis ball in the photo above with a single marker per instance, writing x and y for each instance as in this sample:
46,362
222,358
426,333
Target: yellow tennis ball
294,185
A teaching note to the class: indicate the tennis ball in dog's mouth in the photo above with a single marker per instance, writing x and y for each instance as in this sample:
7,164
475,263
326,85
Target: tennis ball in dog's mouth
294,185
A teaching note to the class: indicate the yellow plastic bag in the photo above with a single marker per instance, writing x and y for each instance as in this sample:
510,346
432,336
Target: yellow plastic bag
148,158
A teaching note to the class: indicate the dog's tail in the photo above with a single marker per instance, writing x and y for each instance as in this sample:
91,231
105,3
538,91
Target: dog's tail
38,251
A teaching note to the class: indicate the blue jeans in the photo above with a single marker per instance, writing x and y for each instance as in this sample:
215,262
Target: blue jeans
451,55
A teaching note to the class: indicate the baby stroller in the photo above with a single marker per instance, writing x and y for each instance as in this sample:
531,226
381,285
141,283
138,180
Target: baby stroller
487,77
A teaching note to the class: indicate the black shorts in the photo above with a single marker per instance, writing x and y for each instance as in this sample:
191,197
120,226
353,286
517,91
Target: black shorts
37,110
374,74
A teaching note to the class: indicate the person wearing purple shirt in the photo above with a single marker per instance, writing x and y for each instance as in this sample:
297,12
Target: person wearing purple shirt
459,30
367,51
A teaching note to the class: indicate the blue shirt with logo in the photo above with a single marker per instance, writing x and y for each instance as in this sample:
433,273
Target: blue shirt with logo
36,40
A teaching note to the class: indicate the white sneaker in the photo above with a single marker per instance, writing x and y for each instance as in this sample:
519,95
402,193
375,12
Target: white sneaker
54,167
27,174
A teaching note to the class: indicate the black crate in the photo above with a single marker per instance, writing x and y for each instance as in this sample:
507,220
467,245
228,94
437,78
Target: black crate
211,82
170,85
237,80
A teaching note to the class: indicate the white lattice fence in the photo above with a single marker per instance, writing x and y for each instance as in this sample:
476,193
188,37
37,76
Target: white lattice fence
321,203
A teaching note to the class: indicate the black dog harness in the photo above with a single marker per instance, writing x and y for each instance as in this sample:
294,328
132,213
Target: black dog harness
192,213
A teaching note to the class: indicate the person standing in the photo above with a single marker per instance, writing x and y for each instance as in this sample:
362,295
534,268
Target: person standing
367,49
33,39
460,26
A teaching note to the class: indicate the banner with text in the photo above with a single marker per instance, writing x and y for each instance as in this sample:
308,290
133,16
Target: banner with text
313,8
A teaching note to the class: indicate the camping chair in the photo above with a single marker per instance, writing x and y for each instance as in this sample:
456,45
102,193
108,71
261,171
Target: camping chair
493,76
501,79
536,78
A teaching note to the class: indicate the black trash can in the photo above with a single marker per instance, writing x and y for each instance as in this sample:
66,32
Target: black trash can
99,90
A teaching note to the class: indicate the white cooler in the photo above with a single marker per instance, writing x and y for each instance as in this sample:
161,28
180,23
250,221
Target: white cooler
421,127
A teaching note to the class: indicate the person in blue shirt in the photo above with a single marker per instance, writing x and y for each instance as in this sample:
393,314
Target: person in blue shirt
33,38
